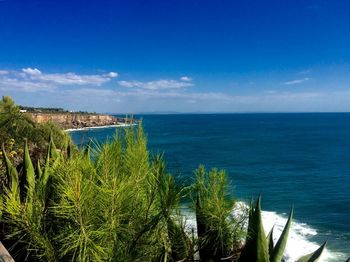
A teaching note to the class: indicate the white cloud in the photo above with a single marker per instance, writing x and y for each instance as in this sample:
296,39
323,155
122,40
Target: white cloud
186,78
112,74
13,84
162,84
31,71
296,81
32,80
90,92
68,78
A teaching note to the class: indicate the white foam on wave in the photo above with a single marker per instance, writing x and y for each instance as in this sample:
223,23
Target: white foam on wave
298,243
99,127
299,238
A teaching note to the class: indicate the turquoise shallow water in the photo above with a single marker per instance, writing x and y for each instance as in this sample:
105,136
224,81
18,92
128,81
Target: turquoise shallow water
299,159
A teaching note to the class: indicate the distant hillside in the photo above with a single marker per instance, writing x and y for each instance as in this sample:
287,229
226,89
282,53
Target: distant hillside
68,120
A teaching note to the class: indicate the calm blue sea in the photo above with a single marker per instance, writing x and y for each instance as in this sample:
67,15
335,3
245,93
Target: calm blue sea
291,159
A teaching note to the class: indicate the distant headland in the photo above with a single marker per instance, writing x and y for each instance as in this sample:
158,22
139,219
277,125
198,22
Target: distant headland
72,120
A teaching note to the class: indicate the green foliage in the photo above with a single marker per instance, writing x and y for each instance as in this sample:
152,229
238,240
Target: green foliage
103,208
24,216
14,124
169,195
114,202
213,208
17,127
106,208
12,174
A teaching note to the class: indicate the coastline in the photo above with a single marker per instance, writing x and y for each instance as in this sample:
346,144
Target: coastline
97,127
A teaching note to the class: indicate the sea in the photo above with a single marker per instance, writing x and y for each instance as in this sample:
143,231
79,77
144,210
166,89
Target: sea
291,159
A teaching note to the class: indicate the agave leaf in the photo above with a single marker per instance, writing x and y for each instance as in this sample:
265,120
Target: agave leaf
270,242
12,173
257,248
53,151
251,222
262,247
29,173
46,167
40,171
251,218
314,256
282,241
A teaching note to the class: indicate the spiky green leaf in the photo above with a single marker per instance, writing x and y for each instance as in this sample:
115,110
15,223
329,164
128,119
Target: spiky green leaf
270,242
40,171
46,167
53,151
29,173
257,248
282,241
314,256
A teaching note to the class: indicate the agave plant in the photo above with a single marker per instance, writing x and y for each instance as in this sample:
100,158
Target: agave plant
261,248
23,209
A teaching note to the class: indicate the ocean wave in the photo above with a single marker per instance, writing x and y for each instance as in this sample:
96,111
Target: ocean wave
299,242
299,239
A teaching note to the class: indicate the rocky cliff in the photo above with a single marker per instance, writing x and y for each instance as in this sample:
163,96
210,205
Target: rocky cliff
74,120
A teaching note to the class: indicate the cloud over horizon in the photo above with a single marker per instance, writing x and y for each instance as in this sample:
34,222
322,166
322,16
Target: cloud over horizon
161,84
98,92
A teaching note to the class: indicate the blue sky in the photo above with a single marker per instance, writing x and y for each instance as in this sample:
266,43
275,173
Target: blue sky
177,55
